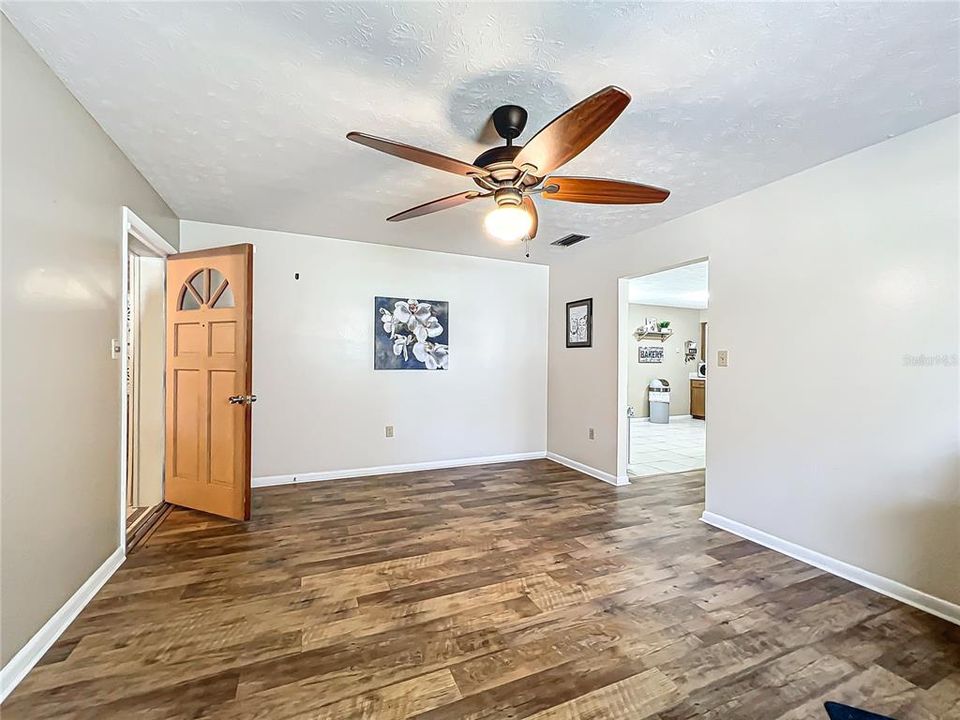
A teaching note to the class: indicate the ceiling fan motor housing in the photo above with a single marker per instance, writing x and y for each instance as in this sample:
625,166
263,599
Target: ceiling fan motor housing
499,162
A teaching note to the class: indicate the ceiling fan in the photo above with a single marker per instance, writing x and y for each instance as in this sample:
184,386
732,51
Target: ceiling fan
513,174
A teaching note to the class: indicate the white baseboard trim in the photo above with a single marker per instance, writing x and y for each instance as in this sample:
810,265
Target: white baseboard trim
271,480
29,655
587,470
883,585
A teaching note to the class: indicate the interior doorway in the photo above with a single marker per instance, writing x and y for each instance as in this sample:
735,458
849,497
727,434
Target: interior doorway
186,347
665,332
143,362
144,388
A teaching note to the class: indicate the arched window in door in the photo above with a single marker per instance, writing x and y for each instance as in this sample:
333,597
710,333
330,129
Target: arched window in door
206,288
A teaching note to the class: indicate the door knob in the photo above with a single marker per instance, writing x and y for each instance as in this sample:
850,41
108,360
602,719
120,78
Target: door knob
242,399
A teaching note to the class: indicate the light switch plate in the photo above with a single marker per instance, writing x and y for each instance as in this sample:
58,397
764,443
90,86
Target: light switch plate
388,431
723,358
591,434
114,349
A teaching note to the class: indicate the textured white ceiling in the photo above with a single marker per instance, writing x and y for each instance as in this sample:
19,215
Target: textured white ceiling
683,287
237,113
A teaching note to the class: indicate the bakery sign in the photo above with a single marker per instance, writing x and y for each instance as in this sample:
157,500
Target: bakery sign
651,353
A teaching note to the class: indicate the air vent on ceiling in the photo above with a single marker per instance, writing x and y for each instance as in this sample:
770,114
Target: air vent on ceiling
568,240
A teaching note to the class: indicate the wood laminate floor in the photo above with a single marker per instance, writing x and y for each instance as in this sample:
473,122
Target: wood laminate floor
522,590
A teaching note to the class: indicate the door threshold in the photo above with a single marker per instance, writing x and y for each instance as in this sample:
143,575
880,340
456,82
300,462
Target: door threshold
138,535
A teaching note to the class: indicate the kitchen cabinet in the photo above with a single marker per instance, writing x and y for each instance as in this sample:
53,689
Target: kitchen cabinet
698,399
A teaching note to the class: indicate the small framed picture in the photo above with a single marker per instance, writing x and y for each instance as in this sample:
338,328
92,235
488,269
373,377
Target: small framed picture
580,323
651,354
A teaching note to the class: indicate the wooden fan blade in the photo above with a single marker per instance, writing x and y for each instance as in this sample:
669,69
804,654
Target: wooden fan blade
571,133
532,209
602,192
418,155
435,206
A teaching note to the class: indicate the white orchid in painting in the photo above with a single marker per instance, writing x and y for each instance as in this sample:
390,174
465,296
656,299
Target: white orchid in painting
400,343
434,355
414,323
389,324
417,316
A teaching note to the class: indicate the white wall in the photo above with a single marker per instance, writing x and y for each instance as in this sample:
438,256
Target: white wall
64,186
685,324
811,438
149,396
321,405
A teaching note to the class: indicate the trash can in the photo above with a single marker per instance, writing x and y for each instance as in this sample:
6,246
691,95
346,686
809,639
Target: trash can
659,395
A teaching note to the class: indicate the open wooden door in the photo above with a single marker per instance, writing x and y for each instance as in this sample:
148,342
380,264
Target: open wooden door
209,375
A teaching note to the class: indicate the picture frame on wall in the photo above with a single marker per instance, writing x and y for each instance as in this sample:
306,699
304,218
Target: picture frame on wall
650,354
411,334
580,323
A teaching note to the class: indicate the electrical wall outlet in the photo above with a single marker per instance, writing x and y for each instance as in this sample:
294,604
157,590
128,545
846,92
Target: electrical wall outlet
590,434
388,431
723,358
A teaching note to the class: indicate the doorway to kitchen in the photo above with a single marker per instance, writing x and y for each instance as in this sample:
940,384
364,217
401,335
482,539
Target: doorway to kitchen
667,321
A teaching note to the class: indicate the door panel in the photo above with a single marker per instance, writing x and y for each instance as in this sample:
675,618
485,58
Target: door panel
188,338
186,424
223,338
209,358
223,384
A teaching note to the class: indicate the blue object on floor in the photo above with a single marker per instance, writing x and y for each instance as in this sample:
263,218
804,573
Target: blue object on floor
836,711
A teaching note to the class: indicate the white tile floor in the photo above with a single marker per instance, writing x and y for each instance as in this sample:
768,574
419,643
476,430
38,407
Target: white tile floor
656,449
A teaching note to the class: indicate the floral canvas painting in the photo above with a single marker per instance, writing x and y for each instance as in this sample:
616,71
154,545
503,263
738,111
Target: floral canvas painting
411,334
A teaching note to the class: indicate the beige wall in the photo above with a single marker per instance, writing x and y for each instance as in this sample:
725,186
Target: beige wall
63,185
686,326
810,439
323,408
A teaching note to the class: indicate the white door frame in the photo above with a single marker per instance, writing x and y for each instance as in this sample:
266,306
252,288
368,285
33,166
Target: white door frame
141,239
624,355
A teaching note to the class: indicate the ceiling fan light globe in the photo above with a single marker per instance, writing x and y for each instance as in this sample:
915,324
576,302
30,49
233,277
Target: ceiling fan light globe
508,223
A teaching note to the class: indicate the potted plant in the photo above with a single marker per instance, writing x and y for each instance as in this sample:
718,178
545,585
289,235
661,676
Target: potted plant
664,326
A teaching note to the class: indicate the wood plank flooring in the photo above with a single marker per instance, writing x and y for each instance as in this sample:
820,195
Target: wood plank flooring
522,590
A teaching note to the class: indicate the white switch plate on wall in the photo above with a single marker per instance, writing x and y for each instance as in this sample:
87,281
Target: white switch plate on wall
723,358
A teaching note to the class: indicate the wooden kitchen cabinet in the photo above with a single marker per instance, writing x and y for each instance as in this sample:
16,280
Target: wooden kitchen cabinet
698,399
